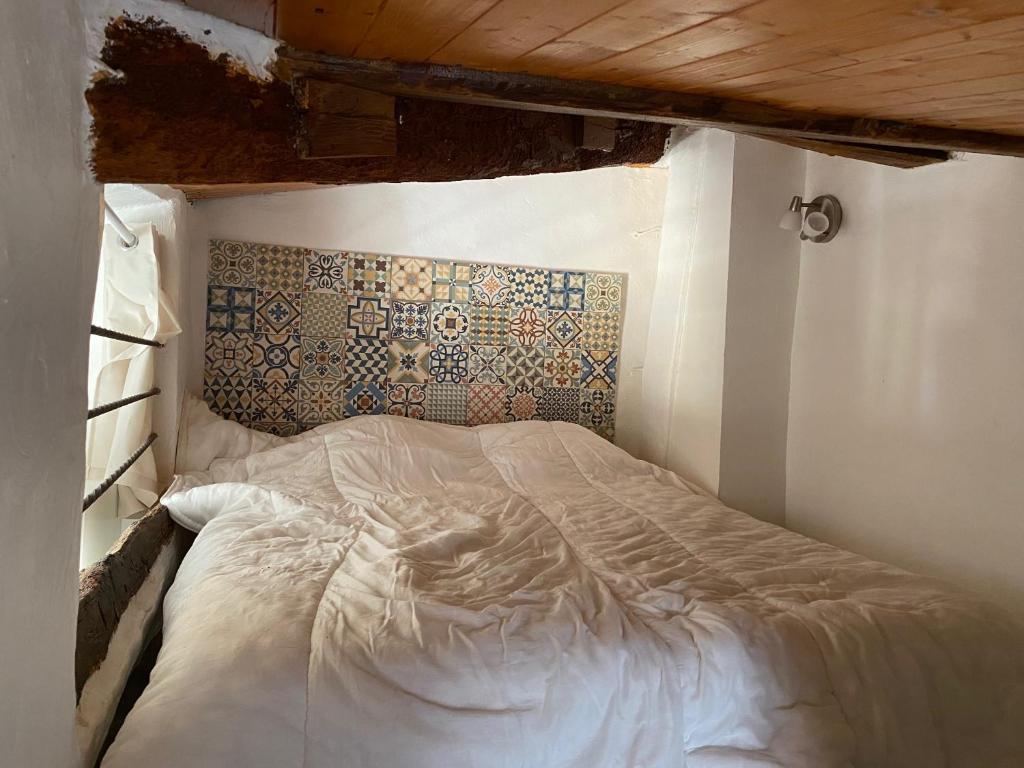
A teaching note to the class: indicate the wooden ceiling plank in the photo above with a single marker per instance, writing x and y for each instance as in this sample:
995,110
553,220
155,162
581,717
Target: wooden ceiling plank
423,26
513,28
938,41
720,35
621,29
332,26
874,27
449,83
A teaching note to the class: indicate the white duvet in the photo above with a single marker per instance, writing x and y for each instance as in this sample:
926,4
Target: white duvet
387,593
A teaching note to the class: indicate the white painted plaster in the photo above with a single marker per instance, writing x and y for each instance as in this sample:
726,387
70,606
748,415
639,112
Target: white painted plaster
49,247
606,219
764,268
716,402
681,417
906,437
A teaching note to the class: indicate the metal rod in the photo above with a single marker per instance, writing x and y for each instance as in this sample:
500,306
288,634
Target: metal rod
95,330
99,410
128,238
103,487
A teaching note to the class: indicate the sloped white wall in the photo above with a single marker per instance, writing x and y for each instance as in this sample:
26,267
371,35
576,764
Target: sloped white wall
606,219
906,437
764,269
682,413
716,394
49,220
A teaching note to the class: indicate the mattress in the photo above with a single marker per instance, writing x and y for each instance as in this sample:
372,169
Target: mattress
389,593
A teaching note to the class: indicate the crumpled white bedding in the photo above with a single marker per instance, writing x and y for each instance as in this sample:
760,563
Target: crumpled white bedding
388,593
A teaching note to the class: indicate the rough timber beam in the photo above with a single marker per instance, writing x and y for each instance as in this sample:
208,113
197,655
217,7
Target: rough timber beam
173,114
460,84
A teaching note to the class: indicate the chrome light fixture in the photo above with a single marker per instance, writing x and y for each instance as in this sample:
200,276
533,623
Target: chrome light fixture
820,224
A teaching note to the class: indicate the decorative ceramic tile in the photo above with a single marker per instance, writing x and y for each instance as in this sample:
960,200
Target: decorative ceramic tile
366,398
298,337
275,356
488,326
449,323
278,311
408,362
487,365
232,263
324,314
566,290
274,401
600,330
366,359
367,318
597,409
525,366
409,320
411,279
527,327
522,402
599,369
230,309
409,400
321,401
451,282
529,287
228,354
485,404
603,292
562,368
369,275
326,271
279,268
560,405
229,396
446,403
322,358
565,329
448,363
490,285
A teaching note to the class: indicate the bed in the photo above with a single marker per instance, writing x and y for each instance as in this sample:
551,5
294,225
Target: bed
387,593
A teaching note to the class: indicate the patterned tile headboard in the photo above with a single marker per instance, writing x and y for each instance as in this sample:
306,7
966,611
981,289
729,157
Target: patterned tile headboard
297,337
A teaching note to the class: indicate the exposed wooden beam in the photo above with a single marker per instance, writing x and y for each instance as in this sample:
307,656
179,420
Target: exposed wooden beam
905,157
173,114
343,121
461,84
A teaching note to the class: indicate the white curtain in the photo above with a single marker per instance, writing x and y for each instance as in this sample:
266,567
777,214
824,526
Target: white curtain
128,299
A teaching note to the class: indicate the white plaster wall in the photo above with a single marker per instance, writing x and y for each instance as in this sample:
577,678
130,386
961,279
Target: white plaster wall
906,436
716,399
764,268
683,390
606,219
49,221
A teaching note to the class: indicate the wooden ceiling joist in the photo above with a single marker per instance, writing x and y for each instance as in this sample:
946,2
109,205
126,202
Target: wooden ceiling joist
174,114
533,92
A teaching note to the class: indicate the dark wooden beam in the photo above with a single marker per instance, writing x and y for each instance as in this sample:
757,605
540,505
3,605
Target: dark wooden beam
173,114
904,157
342,121
460,84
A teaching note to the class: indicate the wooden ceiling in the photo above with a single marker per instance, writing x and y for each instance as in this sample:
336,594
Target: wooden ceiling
947,63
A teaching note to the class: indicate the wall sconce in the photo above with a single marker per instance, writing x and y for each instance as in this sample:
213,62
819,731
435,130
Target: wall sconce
822,221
